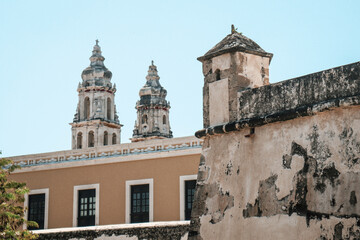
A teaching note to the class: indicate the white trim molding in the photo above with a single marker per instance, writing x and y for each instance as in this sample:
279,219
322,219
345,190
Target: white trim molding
182,193
46,213
75,201
128,185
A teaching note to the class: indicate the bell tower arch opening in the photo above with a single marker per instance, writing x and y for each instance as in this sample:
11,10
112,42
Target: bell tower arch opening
108,108
144,119
91,139
106,138
79,140
164,119
87,108
113,138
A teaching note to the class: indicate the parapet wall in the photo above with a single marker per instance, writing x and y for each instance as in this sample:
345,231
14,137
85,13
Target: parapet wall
333,85
298,97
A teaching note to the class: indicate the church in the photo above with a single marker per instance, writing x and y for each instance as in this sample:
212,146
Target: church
101,181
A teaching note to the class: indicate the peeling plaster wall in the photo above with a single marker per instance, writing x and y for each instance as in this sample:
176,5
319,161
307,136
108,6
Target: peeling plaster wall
294,178
297,179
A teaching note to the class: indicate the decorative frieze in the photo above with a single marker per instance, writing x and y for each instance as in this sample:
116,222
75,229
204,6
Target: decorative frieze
126,149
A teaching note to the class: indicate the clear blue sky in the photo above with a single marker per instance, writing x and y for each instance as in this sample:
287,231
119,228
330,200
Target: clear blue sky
45,45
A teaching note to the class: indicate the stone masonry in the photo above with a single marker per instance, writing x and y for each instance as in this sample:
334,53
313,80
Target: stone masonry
285,163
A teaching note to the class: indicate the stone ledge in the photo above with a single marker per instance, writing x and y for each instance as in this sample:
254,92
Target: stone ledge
301,111
153,230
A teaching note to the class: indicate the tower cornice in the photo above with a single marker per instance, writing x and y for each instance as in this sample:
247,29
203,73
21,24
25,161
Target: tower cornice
96,122
111,90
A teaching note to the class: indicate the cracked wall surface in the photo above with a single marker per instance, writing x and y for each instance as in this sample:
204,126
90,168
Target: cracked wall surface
287,163
296,179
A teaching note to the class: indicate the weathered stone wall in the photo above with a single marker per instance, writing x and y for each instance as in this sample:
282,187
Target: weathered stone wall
297,175
331,86
157,230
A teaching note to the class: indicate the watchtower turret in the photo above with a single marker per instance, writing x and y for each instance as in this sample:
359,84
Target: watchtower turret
234,64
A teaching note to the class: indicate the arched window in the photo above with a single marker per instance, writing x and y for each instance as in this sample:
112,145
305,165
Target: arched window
106,138
109,109
164,119
87,108
144,119
91,139
217,73
114,138
79,141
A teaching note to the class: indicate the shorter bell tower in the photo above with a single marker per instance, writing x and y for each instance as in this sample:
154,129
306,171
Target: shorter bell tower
96,122
152,110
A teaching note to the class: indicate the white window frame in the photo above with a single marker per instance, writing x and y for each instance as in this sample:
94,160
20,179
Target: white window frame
46,213
128,184
95,186
182,193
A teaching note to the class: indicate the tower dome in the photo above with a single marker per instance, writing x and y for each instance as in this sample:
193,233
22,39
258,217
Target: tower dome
152,93
96,74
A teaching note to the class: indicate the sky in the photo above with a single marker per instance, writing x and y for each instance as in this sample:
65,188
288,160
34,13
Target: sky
45,45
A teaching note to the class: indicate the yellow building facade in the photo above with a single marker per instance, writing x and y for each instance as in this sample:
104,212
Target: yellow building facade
101,181
164,165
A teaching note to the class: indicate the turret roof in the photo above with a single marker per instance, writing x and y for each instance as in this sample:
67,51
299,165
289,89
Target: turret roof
235,42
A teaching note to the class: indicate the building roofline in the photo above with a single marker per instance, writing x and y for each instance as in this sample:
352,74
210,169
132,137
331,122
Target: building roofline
113,153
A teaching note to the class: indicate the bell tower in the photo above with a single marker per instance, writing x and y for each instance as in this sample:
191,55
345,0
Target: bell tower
152,110
96,122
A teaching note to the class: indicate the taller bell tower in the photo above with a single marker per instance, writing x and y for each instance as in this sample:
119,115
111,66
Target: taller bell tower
152,110
96,122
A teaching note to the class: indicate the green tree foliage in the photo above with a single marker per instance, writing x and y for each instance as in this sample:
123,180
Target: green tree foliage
11,205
